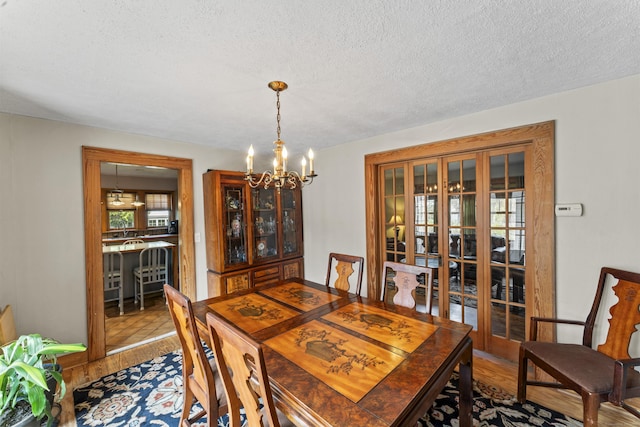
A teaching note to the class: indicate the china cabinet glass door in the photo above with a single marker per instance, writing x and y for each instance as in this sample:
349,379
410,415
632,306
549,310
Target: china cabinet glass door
235,243
289,221
265,233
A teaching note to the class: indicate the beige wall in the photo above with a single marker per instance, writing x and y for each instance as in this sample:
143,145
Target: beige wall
42,250
42,271
597,164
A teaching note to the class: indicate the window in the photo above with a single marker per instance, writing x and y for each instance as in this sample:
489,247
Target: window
121,219
120,210
158,207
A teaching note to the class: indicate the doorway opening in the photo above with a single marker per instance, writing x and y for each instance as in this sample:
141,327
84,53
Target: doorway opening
185,249
139,216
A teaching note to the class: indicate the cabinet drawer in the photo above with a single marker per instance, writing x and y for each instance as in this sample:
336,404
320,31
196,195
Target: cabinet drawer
270,271
292,269
265,275
237,283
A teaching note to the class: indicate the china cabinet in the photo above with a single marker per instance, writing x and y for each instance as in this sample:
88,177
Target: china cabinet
253,235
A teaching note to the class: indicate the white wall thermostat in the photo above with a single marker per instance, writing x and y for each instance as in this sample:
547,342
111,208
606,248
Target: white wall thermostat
568,209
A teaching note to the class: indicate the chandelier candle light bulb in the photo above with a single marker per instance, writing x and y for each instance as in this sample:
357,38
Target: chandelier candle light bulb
250,160
280,177
310,162
284,159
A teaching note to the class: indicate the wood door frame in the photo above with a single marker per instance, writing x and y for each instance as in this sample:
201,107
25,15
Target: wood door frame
541,260
91,159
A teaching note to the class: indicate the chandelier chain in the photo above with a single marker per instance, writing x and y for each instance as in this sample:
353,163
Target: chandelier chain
278,115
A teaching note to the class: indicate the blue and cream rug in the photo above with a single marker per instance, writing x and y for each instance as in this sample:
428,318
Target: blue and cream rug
151,394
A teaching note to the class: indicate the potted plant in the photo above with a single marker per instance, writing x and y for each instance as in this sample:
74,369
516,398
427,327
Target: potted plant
29,376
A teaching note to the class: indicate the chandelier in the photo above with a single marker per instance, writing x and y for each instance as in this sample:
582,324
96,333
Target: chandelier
280,176
117,192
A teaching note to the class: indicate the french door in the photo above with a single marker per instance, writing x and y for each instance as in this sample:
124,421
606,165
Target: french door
465,216
469,215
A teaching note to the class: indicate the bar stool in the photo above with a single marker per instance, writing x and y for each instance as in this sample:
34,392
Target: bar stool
152,269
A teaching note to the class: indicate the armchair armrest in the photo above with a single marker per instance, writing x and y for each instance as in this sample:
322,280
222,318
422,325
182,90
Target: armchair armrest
533,335
619,392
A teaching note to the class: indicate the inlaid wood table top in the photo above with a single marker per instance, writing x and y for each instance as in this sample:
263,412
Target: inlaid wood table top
337,359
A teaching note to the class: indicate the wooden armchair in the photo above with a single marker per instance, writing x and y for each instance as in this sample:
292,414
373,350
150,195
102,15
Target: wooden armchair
244,374
623,369
402,288
596,375
200,377
344,266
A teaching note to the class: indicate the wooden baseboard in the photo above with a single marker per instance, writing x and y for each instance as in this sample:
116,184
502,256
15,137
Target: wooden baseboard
73,359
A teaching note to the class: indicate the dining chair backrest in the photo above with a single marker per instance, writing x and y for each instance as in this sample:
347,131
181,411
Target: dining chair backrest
133,242
113,270
153,265
198,374
7,326
407,285
242,367
153,268
344,266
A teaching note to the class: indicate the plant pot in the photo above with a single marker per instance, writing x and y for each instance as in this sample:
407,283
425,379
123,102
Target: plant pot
19,417
22,416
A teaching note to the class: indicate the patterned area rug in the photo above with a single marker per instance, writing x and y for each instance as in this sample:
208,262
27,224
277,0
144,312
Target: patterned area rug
146,394
492,407
151,394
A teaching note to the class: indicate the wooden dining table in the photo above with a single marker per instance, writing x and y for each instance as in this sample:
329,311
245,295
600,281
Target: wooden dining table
338,359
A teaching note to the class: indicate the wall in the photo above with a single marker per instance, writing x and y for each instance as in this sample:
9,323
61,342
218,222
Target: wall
597,155
41,218
42,271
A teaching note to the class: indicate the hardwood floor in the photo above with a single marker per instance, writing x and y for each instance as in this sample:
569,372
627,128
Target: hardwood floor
136,326
486,368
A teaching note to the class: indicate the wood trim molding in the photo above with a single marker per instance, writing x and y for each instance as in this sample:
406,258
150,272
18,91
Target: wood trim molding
91,159
541,138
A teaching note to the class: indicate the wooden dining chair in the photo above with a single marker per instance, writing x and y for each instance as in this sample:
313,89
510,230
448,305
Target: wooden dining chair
344,266
153,268
7,326
407,285
113,271
200,377
597,375
241,363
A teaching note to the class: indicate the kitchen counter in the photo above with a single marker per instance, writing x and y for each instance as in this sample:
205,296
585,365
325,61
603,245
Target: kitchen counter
173,238
136,247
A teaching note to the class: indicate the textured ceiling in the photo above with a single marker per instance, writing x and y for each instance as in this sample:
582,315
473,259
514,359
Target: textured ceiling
197,71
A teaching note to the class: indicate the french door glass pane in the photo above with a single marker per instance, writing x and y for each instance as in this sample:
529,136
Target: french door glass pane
497,172
394,211
469,175
425,220
507,220
516,323
463,283
516,170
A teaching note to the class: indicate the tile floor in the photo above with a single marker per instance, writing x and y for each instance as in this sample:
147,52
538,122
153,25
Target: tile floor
136,326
